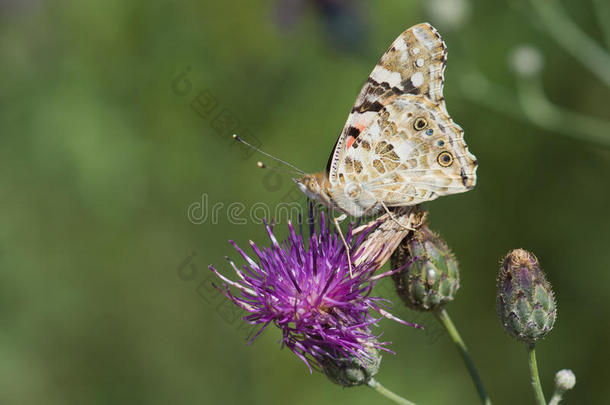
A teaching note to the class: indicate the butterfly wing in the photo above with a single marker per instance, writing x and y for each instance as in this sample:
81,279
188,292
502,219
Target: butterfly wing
412,152
414,64
400,147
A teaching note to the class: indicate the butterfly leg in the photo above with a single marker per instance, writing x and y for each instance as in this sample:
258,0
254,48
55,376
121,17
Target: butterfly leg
337,220
393,218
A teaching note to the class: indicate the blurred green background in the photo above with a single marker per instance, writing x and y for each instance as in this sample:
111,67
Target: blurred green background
105,295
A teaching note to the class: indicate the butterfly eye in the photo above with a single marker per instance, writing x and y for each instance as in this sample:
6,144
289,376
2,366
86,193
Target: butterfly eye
445,159
420,123
429,132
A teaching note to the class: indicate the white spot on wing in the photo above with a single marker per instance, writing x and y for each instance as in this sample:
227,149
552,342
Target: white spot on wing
417,79
363,119
381,74
400,45
404,150
419,62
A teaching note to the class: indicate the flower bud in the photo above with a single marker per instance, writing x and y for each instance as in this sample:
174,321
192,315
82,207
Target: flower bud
431,278
524,301
349,370
565,380
448,14
526,60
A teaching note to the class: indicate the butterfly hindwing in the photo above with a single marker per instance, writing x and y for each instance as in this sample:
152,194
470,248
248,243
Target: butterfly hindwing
410,153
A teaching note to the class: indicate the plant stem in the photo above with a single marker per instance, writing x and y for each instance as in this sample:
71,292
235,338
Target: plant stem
531,105
602,11
388,394
569,36
556,398
444,319
542,112
534,378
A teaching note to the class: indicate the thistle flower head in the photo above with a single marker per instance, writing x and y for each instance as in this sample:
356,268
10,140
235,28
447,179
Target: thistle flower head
524,300
308,292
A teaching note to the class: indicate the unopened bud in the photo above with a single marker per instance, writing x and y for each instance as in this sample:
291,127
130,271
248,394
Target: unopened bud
524,300
565,380
431,278
350,371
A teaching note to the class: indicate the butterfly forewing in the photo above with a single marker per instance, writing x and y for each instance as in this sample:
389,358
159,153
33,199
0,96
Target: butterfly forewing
413,64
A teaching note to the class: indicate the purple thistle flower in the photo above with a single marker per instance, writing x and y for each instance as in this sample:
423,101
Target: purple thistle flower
308,292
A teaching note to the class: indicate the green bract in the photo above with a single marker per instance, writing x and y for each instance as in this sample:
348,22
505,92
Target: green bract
350,371
431,278
525,301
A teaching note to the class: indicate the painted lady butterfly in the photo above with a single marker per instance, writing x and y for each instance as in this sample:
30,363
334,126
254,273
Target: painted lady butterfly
399,146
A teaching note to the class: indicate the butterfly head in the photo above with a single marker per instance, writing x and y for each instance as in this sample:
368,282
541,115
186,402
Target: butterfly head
315,186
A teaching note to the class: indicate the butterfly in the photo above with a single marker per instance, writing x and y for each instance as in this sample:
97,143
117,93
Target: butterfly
399,146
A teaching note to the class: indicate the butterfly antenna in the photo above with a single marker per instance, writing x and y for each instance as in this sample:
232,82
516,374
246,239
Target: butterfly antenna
262,165
239,139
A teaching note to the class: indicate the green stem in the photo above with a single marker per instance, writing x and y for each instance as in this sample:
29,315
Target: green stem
602,11
533,106
534,377
556,398
542,112
388,394
444,319
479,89
569,36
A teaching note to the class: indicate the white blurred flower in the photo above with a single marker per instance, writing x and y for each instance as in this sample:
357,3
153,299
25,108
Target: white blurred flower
565,380
448,14
526,60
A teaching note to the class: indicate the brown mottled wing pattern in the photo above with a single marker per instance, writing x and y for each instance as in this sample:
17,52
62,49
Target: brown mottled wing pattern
413,64
408,150
412,152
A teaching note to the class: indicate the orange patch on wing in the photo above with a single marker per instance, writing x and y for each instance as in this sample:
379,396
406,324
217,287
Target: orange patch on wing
350,141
